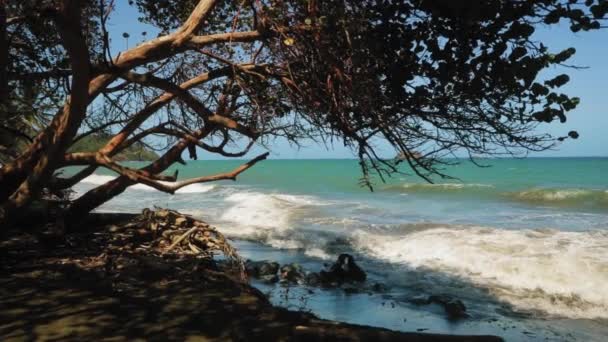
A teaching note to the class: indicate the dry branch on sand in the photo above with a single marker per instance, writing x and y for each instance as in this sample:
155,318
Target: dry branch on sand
179,234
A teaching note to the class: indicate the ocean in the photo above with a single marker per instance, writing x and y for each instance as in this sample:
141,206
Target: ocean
523,241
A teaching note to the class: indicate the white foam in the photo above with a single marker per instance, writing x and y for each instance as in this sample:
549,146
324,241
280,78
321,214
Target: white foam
553,194
439,187
560,273
446,186
192,188
299,199
334,221
267,211
318,253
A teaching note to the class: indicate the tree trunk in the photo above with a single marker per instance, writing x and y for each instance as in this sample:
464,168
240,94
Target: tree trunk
28,175
3,61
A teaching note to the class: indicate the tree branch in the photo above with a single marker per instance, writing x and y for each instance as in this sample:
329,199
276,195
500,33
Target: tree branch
190,100
172,187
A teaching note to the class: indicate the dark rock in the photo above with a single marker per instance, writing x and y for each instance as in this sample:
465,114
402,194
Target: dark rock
455,308
292,272
270,268
379,287
259,269
344,270
270,278
313,279
350,289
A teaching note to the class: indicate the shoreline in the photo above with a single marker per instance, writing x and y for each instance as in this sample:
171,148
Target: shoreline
74,292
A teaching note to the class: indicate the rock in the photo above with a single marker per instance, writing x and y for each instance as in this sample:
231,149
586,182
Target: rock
270,278
379,287
312,279
291,272
350,289
344,270
259,269
269,268
455,308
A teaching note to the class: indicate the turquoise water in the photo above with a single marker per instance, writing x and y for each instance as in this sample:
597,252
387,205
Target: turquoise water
343,175
564,193
522,239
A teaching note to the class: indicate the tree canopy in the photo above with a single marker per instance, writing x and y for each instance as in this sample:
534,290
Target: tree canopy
429,77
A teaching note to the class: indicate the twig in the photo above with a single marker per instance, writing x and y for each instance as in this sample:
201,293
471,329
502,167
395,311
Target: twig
181,238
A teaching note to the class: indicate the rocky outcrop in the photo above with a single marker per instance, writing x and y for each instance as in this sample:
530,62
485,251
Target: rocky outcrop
344,274
344,270
258,269
292,273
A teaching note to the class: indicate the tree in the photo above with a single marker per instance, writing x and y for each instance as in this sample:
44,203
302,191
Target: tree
429,77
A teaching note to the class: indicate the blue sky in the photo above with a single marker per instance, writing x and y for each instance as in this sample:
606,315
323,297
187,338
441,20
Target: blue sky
590,118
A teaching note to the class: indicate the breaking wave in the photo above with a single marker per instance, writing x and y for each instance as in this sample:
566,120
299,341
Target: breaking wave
571,197
265,211
559,273
276,220
439,187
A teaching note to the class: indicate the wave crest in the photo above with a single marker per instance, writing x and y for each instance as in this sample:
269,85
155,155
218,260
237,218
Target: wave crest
578,197
267,211
438,187
559,273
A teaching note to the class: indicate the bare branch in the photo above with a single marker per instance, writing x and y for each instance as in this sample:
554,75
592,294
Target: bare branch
191,101
171,188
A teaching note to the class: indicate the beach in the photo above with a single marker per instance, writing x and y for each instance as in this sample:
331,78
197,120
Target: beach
92,285
522,243
303,170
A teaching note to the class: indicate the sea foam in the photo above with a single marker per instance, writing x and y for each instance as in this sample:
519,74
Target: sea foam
556,272
273,219
565,196
257,210
438,187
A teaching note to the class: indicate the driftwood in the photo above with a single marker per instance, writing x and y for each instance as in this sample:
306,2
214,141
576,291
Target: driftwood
181,238
179,234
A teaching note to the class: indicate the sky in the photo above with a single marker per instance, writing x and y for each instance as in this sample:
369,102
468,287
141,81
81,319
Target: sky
589,119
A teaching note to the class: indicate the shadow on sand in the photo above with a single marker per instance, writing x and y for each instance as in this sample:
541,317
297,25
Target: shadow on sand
46,294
